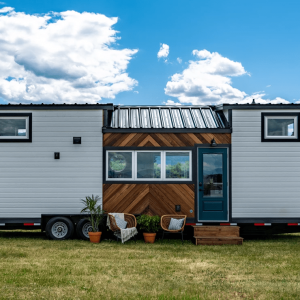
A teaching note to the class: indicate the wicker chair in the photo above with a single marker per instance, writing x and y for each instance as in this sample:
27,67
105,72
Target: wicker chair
130,219
165,222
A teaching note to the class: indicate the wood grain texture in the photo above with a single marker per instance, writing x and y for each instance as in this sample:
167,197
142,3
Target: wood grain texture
151,199
218,240
163,139
217,231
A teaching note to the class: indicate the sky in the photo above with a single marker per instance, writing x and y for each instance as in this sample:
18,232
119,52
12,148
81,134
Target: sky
140,52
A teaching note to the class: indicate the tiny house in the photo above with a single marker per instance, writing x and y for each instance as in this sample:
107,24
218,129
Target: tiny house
219,165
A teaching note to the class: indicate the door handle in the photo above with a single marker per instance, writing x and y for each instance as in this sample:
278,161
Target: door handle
200,190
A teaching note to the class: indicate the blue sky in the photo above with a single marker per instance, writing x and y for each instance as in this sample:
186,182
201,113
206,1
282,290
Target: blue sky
262,36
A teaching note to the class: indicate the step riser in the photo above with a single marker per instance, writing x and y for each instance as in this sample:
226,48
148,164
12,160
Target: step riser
217,231
211,243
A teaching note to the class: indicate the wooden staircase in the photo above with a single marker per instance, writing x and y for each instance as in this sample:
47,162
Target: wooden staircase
217,235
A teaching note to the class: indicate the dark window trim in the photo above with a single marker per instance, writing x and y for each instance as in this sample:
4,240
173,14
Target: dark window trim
29,139
110,148
284,140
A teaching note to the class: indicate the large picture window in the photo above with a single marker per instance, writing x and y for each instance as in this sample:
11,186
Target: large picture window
15,127
148,165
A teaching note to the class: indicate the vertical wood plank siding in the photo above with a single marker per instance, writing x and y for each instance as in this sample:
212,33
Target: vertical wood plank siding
155,199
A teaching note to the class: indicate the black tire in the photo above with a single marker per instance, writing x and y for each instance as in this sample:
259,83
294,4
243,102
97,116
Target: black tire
59,228
82,229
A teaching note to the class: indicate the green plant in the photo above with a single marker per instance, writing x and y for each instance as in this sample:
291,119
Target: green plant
94,210
149,224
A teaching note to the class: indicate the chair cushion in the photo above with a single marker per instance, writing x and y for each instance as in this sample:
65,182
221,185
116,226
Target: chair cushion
122,224
175,224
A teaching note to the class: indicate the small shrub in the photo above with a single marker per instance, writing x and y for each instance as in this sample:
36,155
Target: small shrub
149,224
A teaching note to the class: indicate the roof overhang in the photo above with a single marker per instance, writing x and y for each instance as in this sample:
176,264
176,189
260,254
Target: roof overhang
53,106
166,130
256,106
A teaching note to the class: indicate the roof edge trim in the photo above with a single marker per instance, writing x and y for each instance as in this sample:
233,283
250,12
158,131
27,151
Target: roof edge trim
166,130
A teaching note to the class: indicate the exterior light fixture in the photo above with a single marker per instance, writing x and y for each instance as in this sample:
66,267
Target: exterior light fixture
56,155
213,143
76,140
177,208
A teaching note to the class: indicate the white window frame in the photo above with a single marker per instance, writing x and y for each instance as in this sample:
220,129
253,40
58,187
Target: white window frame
163,166
135,165
119,179
294,137
16,137
190,166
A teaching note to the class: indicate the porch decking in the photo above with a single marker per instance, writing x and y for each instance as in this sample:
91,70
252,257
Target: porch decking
217,235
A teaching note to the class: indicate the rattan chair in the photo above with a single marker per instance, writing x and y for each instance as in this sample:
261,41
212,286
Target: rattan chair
165,222
130,219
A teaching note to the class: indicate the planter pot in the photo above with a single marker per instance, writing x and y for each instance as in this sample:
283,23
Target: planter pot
95,237
149,237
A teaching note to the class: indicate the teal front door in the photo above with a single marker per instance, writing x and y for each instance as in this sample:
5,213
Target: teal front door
212,184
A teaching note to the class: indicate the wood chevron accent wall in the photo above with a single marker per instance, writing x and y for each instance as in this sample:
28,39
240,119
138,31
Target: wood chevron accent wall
163,139
152,199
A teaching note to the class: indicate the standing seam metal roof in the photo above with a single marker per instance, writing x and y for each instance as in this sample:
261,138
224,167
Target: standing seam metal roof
165,117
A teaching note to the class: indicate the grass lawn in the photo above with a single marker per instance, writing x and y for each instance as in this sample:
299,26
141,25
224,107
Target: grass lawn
32,267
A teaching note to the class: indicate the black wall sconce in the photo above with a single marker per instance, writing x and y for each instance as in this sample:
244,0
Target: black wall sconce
76,140
213,143
56,155
177,208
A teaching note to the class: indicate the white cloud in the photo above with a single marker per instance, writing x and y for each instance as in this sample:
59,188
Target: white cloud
163,51
62,57
6,9
269,85
207,80
179,60
171,102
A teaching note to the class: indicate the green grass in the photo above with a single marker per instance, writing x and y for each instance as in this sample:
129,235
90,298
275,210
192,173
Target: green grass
32,267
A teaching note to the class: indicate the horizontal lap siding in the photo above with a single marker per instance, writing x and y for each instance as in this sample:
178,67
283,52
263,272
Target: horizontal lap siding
32,182
265,176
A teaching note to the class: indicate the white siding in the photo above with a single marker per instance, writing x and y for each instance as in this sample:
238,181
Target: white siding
32,182
265,176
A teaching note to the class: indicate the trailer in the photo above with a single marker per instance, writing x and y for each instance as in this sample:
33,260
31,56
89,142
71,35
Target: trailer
50,158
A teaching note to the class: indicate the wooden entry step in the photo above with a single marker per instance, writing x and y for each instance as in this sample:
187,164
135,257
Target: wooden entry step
213,240
217,235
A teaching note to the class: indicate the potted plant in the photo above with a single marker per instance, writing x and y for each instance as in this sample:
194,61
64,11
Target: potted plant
150,224
95,216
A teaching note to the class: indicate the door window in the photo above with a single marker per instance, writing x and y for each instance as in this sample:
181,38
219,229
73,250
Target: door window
213,175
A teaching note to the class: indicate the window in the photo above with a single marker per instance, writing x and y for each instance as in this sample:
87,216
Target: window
148,165
279,127
15,127
178,165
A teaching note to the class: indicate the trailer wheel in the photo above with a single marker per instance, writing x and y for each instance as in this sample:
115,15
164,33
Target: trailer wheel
59,228
83,228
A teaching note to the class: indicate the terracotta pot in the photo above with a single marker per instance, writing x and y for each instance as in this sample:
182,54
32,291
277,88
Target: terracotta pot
95,237
149,237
